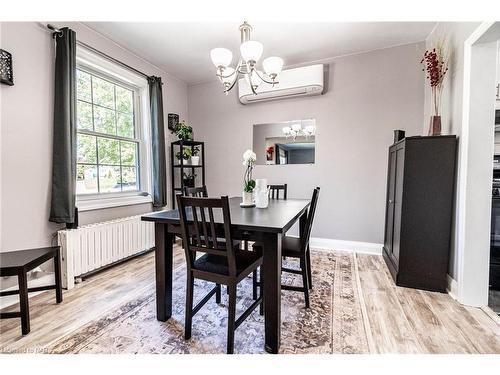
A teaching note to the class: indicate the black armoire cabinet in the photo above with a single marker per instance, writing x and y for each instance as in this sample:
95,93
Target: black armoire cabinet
419,209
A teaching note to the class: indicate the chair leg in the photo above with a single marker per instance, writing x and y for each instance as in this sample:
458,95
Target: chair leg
309,267
261,290
217,293
305,281
254,284
189,306
231,318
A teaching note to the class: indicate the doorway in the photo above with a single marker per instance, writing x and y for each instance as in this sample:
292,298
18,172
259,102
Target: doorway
494,280
474,204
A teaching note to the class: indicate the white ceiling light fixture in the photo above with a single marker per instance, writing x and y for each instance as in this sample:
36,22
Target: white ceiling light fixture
251,51
296,130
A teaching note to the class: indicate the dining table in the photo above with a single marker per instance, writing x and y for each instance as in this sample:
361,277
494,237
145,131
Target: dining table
264,225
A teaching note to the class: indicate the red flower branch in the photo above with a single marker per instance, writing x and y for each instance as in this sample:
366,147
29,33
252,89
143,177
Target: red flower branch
435,65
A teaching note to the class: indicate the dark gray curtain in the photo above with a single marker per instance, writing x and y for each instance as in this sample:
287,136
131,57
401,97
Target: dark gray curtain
158,142
62,207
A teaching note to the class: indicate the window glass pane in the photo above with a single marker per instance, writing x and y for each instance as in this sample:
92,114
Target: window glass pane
109,179
103,92
129,178
125,125
83,86
86,179
108,151
86,149
104,120
84,115
129,152
124,100
105,165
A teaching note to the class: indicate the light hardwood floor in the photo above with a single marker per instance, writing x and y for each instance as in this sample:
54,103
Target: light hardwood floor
396,320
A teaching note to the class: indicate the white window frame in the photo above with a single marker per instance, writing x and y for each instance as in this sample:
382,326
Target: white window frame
94,63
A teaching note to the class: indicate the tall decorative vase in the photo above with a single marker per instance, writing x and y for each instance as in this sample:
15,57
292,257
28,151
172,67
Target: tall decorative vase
435,125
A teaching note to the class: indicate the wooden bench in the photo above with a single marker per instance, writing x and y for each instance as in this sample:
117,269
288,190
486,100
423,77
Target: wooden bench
19,263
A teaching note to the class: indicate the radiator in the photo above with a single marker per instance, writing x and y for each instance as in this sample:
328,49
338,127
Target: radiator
95,246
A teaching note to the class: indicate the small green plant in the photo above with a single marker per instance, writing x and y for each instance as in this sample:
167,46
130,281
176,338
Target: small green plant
183,131
188,179
249,186
186,154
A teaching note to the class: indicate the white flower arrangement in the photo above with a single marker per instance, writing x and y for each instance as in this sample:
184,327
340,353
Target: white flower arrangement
249,159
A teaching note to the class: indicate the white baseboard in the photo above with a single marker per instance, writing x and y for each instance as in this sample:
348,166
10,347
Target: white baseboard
452,287
354,246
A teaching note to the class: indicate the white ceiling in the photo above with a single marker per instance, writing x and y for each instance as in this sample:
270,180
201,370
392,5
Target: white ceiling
183,49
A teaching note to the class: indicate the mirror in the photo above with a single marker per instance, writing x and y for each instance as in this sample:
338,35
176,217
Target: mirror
289,142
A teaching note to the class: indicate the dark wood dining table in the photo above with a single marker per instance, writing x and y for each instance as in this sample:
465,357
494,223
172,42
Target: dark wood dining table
264,225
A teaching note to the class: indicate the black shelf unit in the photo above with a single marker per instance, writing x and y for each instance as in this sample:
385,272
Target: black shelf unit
177,181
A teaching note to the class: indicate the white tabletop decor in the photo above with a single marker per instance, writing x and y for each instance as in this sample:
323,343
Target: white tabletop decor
249,159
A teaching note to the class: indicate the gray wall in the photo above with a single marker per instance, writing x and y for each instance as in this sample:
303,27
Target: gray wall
301,156
26,131
369,96
455,34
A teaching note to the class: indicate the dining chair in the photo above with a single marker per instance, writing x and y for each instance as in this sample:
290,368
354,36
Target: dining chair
274,191
200,192
221,262
298,247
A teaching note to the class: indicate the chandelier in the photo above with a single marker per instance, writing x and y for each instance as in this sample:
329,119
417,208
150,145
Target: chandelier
251,52
296,130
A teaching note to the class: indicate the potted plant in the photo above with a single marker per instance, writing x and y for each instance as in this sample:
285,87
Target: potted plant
183,131
249,159
185,154
435,64
188,179
195,158
269,153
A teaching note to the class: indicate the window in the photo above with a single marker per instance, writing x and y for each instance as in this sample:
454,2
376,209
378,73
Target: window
112,152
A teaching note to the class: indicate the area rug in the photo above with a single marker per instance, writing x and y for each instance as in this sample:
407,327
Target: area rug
333,323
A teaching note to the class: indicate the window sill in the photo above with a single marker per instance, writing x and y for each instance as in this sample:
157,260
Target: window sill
100,203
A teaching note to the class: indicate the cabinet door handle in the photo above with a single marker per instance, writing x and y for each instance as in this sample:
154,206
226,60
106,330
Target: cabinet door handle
498,91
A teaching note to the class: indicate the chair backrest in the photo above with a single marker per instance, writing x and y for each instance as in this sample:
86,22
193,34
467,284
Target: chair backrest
310,218
274,191
199,192
200,232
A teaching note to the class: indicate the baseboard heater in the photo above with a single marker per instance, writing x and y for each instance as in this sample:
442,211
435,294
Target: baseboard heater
93,247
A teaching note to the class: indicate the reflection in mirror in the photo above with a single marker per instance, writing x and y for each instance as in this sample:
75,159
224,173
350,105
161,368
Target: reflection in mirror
289,142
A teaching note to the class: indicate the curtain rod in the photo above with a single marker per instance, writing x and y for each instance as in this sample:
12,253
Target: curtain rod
58,31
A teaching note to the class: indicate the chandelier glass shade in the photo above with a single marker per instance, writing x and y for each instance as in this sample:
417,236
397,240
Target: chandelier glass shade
251,52
296,130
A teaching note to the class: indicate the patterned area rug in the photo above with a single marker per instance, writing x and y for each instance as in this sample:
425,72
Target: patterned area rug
333,324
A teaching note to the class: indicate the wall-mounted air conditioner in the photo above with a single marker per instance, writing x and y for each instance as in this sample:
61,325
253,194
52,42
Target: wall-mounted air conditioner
305,81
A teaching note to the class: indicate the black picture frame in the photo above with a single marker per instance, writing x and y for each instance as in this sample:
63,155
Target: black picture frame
6,73
173,121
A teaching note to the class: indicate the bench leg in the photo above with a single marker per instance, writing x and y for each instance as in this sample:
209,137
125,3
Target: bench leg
23,302
57,274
